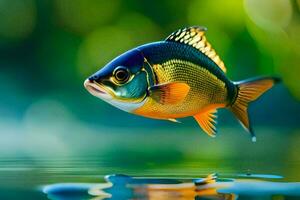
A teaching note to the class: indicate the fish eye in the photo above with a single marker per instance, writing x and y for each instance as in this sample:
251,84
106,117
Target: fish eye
121,74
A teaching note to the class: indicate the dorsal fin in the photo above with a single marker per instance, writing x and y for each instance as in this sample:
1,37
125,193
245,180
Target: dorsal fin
195,37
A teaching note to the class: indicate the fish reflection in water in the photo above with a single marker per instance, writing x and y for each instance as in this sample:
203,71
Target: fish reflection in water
211,187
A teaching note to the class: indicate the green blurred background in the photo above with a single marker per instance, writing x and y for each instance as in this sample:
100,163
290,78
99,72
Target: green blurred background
52,130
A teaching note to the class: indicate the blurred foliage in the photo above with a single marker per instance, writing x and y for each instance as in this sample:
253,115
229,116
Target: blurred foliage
49,47
79,37
17,19
85,16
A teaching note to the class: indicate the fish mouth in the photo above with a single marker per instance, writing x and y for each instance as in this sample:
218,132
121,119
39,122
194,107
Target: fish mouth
96,89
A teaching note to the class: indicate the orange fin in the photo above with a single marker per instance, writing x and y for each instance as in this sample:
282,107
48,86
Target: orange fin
195,37
248,91
207,121
169,93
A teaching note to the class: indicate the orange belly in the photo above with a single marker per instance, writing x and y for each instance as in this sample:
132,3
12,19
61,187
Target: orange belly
153,109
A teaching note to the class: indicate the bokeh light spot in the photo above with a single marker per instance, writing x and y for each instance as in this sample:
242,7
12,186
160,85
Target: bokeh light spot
141,29
17,18
219,13
100,47
269,14
85,16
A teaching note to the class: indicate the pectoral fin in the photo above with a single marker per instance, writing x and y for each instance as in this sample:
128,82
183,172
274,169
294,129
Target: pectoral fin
169,93
207,121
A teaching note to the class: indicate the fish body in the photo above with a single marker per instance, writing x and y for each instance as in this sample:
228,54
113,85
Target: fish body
172,62
179,77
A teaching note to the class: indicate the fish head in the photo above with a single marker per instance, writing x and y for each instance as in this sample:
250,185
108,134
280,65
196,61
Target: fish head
123,82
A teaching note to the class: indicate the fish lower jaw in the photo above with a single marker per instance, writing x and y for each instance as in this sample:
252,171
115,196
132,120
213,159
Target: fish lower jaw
96,90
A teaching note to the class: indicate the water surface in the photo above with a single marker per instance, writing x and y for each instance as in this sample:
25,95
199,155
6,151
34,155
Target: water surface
180,157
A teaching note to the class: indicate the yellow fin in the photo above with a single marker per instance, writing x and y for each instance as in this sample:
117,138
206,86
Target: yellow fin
169,93
207,121
195,36
248,91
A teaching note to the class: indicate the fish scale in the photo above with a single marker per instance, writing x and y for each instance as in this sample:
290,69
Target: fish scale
206,90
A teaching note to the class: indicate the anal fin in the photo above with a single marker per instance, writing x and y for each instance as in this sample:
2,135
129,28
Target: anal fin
207,121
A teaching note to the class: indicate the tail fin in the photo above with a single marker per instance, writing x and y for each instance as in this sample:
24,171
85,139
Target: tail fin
248,91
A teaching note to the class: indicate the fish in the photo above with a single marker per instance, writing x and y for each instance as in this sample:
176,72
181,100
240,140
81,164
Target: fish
178,77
